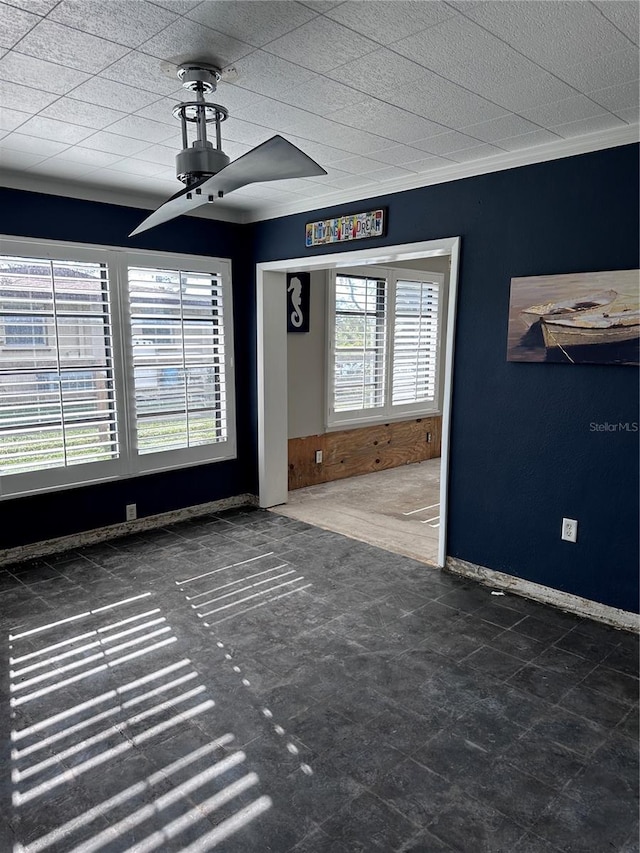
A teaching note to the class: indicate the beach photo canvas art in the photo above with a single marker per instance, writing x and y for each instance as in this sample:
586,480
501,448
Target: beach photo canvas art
576,318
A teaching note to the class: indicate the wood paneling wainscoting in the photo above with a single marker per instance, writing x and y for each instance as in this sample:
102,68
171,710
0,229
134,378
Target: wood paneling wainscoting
362,450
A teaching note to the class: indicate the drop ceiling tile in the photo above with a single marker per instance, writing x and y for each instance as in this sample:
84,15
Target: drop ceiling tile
353,140
252,21
588,125
88,157
161,111
38,7
13,96
499,128
321,5
118,20
321,44
118,180
58,131
138,167
77,112
19,160
40,74
352,182
185,39
236,130
571,109
160,154
387,120
542,88
358,165
527,140
383,74
617,97
31,145
630,115
143,71
468,155
318,151
137,127
117,96
54,168
276,115
386,22
180,7
446,103
113,144
603,71
428,164
390,173
624,15
554,35
14,24
232,97
399,155
11,119
269,75
445,143
463,52
66,46
321,95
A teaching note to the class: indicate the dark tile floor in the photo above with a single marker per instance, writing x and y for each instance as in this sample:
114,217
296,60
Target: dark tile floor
245,682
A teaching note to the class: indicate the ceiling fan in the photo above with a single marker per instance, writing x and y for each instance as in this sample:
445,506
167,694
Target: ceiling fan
206,171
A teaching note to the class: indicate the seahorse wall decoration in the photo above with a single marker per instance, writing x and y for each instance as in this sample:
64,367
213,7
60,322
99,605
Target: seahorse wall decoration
295,289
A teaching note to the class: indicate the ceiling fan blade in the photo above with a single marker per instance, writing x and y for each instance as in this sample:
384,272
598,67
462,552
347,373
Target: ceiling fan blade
273,160
184,201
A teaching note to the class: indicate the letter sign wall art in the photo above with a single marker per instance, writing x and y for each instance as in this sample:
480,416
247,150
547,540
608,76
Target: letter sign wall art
298,284
352,226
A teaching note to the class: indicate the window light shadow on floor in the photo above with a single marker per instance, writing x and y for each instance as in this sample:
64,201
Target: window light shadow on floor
85,692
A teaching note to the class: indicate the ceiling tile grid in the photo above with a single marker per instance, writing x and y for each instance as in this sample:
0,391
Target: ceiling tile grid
378,92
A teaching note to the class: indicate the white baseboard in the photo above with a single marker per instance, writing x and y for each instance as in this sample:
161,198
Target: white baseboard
125,528
623,619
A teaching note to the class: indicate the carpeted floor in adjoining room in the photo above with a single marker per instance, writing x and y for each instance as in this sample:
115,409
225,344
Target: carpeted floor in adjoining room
248,682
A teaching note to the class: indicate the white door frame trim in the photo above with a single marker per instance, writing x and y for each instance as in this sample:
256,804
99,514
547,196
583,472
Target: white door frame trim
272,359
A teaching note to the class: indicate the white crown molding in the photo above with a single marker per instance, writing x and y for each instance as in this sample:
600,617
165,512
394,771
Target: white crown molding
497,163
32,182
456,171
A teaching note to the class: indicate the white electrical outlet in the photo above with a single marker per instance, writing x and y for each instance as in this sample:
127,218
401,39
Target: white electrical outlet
132,512
569,530
318,457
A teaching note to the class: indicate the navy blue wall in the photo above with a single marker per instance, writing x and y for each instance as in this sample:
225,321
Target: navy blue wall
46,516
523,453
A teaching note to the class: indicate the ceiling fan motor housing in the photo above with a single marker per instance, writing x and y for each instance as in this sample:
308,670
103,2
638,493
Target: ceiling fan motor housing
199,161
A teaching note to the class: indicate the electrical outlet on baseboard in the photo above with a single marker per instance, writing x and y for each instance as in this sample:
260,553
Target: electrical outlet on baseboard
131,512
318,457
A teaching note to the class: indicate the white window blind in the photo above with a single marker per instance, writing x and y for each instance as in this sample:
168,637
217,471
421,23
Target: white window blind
178,343
415,342
57,392
384,346
113,363
360,343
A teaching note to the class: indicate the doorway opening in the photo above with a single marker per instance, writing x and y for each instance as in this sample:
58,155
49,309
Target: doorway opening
375,406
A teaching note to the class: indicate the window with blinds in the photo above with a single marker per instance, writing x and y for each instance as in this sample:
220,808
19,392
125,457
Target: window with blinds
360,343
415,342
177,337
384,346
113,363
57,391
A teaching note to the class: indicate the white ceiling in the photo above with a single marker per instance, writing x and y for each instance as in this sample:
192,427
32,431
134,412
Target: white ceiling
384,95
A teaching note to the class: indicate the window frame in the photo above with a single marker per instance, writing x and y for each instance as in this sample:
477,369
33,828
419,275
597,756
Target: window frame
387,413
129,463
